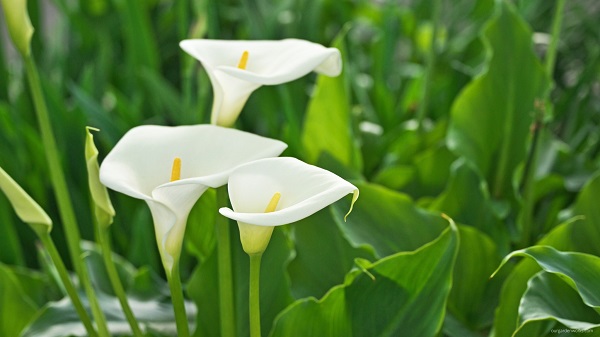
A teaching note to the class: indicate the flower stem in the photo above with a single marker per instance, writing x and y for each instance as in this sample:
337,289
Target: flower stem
527,184
115,281
254,296
178,303
225,277
69,287
429,65
57,177
94,304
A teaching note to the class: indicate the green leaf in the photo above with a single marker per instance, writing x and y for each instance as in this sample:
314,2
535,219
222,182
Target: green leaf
466,199
148,296
401,295
323,256
17,307
578,235
328,122
490,119
387,221
474,296
549,299
581,271
200,238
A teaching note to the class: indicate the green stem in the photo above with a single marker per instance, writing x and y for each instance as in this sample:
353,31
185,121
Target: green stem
178,302
527,184
430,65
225,277
115,281
65,206
66,280
94,304
556,25
254,296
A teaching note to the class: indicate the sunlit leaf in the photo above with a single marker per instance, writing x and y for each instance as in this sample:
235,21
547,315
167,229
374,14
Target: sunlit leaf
403,294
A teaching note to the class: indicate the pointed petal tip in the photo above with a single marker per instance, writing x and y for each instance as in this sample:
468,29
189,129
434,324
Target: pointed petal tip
355,195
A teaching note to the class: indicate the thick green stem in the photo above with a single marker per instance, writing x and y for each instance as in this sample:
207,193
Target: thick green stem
429,65
178,302
115,281
527,184
66,280
254,295
225,277
57,177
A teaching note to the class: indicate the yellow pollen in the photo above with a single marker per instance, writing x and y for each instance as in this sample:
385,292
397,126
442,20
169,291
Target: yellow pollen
176,170
243,60
273,203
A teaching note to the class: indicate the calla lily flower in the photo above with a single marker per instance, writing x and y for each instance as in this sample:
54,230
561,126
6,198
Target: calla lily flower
203,156
278,191
237,68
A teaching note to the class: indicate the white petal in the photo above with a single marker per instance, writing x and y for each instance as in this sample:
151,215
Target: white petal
304,189
142,159
269,63
170,208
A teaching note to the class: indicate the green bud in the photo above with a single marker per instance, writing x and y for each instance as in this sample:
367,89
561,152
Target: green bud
19,25
103,208
26,208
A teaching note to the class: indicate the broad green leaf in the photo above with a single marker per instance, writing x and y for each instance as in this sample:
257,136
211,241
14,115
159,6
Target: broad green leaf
490,119
474,296
466,200
586,235
581,271
26,208
578,235
328,122
148,296
200,238
17,308
59,319
387,221
403,294
323,256
549,299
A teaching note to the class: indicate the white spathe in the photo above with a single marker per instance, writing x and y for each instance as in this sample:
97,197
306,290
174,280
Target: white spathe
269,63
140,166
305,189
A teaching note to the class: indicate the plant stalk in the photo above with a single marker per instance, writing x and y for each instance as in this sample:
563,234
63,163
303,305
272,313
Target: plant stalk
115,281
429,65
254,294
178,302
225,276
57,177
527,184
68,285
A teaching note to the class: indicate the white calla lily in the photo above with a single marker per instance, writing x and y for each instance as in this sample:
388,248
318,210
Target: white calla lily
141,166
237,68
278,191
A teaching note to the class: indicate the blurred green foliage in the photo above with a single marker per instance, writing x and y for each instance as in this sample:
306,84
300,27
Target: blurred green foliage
513,162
